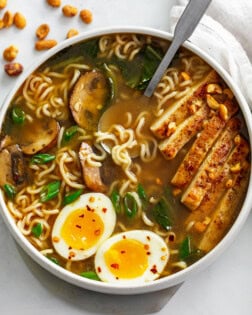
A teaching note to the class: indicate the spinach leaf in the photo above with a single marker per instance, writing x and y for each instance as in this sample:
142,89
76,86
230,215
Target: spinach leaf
161,214
90,48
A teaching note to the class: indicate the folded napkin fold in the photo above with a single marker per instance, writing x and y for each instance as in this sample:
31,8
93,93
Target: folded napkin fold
224,33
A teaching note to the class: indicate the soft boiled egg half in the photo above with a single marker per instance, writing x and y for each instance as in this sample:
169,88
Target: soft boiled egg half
83,225
135,256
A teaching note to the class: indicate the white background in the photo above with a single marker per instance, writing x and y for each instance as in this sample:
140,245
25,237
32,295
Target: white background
25,288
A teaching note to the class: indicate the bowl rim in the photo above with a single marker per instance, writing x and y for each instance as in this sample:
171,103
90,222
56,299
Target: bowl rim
170,280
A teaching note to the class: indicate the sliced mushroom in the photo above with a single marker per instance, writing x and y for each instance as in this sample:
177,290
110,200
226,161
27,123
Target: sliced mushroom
12,169
91,174
41,136
88,99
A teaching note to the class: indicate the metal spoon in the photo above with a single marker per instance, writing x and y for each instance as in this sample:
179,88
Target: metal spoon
184,28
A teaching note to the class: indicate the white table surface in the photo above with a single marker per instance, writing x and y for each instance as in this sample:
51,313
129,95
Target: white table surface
25,288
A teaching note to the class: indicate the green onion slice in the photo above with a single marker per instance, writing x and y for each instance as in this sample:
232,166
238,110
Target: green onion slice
70,132
141,192
90,275
130,205
185,249
116,201
72,196
50,191
17,115
9,190
42,158
37,230
53,259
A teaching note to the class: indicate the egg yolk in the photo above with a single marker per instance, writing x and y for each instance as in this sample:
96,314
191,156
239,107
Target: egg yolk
127,259
82,229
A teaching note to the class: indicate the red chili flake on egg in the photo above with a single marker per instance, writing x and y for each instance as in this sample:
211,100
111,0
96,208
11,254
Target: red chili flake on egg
124,237
78,226
148,253
146,246
148,238
92,199
115,266
97,232
154,269
81,216
104,210
56,239
99,269
123,251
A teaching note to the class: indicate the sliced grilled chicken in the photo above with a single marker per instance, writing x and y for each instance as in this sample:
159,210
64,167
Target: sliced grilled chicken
91,174
184,133
201,146
183,108
222,181
213,163
225,212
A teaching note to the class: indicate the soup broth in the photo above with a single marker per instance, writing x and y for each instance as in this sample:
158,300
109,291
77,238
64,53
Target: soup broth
175,164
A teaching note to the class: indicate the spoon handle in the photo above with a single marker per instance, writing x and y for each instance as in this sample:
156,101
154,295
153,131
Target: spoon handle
184,28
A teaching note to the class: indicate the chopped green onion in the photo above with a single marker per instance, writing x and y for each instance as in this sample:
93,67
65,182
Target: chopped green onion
185,249
141,192
116,201
37,230
17,115
9,190
130,205
70,132
42,158
112,82
53,259
50,191
161,213
90,275
72,196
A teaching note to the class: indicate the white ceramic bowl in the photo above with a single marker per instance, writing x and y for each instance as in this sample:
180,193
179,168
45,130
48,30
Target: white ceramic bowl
162,283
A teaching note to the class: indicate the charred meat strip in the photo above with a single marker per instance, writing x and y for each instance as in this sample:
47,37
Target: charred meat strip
213,163
91,174
184,133
225,212
200,147
182,108
222,182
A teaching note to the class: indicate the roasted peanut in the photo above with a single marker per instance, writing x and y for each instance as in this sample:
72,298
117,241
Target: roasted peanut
54,3
10,53
45,44
42,31
19,20
8,19
69,10
3,4
214,88
13,69
223,112
86,16
211,102
72,32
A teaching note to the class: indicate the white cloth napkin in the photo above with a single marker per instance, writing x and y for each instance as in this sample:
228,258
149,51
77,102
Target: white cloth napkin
224,33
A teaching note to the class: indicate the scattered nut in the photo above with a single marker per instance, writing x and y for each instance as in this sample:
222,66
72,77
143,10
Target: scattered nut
10,53
229,93
72,32
54,3
229,183
236,168
211,102
171,128
13,69
3,4
8,19
45,44
42,31
214,88
19,20
86,16
69,10
223,112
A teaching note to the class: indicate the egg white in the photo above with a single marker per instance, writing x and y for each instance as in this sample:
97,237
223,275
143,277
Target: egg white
158,255
97,202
